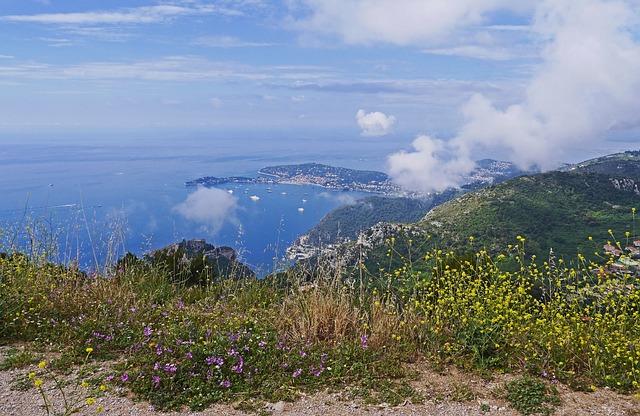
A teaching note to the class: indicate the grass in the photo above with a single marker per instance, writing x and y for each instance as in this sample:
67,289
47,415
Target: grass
249,341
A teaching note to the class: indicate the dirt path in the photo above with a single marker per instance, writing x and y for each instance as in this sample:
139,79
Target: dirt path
449,393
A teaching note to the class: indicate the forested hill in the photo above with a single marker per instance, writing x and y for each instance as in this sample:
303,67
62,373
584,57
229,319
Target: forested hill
625,164
347,221
554,210
558,210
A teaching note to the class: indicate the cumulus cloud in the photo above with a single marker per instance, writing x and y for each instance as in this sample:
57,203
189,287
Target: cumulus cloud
432,162
375,123
403,22
587,85
209,207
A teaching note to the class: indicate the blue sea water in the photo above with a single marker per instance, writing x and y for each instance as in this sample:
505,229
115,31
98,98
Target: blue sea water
109,194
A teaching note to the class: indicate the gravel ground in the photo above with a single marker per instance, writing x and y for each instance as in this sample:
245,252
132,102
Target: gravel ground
438,388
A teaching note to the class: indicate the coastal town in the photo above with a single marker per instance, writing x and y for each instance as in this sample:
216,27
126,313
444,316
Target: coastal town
487,171
317,174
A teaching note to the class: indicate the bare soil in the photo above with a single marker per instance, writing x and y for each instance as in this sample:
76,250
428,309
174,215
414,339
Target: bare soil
448,392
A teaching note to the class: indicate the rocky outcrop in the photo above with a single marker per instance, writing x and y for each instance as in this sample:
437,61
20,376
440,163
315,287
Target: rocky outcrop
197,262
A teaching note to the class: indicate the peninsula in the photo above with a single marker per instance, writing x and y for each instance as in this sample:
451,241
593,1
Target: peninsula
326,176
486,172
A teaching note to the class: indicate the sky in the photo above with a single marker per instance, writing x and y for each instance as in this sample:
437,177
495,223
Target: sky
445,82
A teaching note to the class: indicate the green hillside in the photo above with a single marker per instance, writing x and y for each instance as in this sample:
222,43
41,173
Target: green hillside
348,221
558,210
555,210
625,164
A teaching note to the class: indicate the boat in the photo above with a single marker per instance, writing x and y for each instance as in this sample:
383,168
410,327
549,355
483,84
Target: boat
301,209
254,197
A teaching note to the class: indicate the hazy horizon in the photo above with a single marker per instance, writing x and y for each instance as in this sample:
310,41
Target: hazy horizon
427,86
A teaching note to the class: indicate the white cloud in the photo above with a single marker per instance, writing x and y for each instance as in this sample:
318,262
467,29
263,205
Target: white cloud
209,207
183,68
227,42
473,51
137,15
171,101
433,164
341,198
375,123
588,84
402,22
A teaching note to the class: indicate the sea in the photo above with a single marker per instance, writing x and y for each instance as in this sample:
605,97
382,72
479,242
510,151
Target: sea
100,195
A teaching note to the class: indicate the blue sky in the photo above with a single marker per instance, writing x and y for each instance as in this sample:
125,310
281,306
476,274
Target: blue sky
447,80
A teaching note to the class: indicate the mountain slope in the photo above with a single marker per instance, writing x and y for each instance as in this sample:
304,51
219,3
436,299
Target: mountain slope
348,221
625,164
555,210
558,210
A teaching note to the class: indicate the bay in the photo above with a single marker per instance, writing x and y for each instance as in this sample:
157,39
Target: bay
107,195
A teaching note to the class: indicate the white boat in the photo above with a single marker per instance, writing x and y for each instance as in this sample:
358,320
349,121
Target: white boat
230,191
301,209
254,197
304,200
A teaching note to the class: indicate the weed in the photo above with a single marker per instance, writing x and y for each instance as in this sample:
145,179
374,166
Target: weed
17,358
462,393
74,399
532,396
250,341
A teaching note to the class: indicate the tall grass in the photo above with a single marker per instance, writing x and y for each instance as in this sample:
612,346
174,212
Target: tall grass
245,339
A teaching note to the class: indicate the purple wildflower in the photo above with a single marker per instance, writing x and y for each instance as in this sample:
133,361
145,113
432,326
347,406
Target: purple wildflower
297,372
170,368
213,360
124,377
156,381
225,383
238,368
363,342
